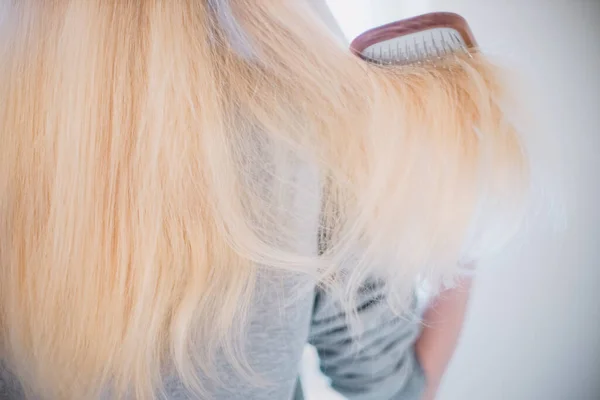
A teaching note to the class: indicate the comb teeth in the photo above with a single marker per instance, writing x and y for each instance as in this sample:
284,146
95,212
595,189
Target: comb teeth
420,47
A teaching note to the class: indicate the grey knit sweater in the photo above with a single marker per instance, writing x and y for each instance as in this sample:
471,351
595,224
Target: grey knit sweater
379,366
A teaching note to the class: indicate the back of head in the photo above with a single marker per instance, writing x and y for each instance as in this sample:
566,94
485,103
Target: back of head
144,146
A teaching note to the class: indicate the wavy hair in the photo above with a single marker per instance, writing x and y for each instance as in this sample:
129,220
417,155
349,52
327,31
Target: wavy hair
145,150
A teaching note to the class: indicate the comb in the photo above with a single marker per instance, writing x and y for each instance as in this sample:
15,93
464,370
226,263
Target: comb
422,39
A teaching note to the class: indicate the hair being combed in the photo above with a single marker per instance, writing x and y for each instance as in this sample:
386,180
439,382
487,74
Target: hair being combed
143,150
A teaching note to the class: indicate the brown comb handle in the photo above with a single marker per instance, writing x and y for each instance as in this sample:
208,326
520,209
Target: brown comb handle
412,25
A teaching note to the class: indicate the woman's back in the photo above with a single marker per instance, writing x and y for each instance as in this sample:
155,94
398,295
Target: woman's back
152,183
289,311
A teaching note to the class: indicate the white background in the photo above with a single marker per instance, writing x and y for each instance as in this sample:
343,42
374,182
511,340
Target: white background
533,327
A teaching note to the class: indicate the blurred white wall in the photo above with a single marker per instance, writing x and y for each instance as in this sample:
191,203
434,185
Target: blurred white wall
356,16
533,331
533,328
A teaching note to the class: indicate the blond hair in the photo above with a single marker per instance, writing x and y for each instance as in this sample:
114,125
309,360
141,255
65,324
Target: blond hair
143,155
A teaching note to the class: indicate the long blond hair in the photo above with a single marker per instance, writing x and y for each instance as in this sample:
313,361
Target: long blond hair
144,150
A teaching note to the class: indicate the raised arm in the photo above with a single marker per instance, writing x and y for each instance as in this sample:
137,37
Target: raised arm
442,323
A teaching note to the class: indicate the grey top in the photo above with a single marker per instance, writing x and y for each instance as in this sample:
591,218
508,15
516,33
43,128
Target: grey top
379,366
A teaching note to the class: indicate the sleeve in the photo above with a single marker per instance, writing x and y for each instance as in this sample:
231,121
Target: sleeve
380,364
